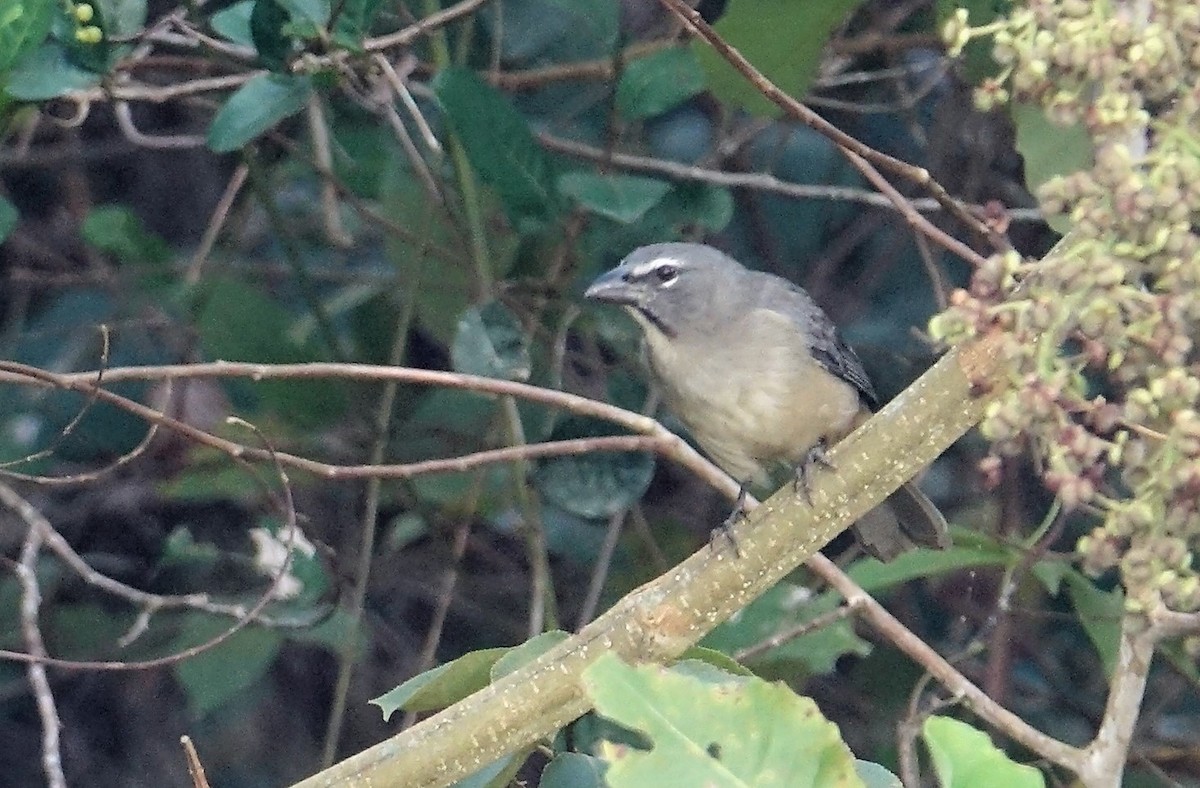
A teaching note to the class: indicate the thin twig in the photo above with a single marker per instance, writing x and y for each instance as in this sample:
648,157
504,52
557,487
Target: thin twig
31,602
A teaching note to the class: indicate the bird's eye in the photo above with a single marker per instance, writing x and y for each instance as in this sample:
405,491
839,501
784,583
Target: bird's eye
666,273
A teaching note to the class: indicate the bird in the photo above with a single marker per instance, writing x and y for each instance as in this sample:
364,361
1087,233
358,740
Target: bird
759,375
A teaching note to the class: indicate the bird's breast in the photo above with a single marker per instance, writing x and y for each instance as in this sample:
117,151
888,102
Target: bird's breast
753,407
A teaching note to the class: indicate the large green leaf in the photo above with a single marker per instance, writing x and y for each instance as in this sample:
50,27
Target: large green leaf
499,145
218,675
622,198
47,72
24,24
964,757
1050,150
782,38
442,686
236,322
711,728
256,107
117,230
654,84
573,770
552,30
491,341
233,23
595,484
268,33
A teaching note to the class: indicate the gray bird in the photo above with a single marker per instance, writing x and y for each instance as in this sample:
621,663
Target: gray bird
758,373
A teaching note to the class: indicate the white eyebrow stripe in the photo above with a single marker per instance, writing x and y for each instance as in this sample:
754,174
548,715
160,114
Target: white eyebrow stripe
641,269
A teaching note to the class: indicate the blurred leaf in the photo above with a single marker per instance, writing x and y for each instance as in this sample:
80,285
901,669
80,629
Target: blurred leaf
595,484
654,84
92,55
47,72
24,25
220,674
267,22
490,341
875,776
573,770
256,107
527,652
117,230
1100,613
497,774
207,476
710,207
313,12
123,18
964,757
236,322
716,659
233,23
442,686
354,22
8,218
782,608
499,145
713,731
553,30
782,38
874,576
622,198
83,630
1050,150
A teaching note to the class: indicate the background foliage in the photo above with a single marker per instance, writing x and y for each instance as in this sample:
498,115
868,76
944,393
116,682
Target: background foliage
286,181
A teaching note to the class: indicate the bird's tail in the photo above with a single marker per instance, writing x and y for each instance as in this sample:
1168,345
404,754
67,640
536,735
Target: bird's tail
905,520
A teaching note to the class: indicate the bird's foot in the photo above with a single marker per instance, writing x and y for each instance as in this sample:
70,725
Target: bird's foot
724,531
817,455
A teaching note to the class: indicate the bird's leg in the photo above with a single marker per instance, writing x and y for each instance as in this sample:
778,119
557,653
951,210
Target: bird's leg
817,455
725,529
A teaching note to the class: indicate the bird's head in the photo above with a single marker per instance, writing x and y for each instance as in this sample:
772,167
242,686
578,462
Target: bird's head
673,288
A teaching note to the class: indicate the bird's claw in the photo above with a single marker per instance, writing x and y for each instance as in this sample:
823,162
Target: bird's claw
725,529
817,455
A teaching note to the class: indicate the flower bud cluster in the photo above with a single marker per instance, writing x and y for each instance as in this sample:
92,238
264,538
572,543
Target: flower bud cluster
1104,375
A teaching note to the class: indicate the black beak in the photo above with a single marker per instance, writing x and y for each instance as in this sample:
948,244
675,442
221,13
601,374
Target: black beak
612,287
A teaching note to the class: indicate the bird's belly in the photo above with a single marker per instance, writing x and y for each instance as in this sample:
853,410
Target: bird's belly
749,423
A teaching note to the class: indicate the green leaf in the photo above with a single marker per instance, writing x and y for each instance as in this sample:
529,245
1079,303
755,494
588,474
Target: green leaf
527,652
875,576
875,776
233,23
622,198
964,757
490,341
47,72
267,22
716,659
23,26
312,12
236,322
553,30
1100,614
782,38
354,22
256,107
782,608
499,145
117,230
8,218
573,770
714,729
1050,150
443,686
218,675
595,484
654,84
122,18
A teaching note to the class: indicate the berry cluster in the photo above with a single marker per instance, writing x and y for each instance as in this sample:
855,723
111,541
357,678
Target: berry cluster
1105,383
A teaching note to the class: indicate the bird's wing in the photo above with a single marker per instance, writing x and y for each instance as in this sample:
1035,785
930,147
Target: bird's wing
825,341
